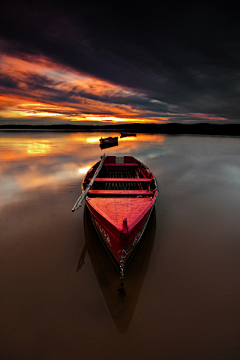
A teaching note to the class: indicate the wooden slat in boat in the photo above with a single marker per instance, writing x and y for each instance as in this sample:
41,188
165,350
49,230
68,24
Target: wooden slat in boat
120,192
118,165
122,180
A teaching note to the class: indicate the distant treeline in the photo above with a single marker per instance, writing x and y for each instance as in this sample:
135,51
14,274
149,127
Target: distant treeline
170,128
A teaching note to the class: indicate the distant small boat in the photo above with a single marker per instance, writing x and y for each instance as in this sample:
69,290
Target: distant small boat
109,141
120,194
125,133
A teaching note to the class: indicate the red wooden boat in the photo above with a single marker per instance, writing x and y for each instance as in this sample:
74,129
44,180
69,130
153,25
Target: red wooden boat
120,194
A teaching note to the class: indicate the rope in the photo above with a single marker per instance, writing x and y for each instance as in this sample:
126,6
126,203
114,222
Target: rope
121,289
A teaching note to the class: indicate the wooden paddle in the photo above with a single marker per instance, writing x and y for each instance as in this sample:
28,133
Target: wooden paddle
79,201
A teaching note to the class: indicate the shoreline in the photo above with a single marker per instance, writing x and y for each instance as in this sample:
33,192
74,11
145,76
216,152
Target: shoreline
168,129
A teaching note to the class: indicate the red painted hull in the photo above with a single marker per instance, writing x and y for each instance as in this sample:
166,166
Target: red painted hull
111,236
120,202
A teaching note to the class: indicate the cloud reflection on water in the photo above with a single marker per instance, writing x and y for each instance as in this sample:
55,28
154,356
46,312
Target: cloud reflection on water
33,160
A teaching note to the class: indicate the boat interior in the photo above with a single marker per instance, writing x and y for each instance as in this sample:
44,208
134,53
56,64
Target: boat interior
121,177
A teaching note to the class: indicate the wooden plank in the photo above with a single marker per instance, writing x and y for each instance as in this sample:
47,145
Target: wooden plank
119,192
137,180
121,165
119,159
79,201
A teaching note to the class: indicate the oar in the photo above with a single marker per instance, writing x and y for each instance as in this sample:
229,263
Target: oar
79,201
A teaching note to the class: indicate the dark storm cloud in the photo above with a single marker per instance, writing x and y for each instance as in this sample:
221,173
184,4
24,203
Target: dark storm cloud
7,82
37,82
48,91
182,56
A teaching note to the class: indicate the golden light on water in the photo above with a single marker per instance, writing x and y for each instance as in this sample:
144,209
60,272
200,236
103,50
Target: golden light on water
48,159
83,170
92,140
158,138
38,148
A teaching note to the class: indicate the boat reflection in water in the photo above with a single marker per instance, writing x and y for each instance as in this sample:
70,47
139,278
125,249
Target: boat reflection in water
121,308
106,146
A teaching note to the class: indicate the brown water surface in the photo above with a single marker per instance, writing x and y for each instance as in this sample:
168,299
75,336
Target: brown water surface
58,286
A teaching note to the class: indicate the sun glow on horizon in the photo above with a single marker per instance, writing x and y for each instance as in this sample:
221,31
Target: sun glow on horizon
40,89
116,119
37,88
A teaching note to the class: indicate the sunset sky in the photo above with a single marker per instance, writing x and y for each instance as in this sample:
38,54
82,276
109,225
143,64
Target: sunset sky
105,61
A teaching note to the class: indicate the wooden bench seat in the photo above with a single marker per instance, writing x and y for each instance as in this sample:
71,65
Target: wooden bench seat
122,180
120,192
120,164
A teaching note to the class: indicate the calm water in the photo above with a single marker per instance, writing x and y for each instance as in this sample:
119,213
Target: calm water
58,286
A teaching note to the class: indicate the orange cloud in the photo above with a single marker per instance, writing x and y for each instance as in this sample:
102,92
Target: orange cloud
41,88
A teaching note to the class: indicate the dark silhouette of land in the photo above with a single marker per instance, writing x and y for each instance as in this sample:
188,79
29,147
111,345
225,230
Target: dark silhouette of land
170,128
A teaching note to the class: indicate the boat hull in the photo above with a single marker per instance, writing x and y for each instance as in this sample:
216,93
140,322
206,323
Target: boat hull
110,236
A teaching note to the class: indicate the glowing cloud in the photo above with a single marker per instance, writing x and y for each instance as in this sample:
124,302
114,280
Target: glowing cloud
38,88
